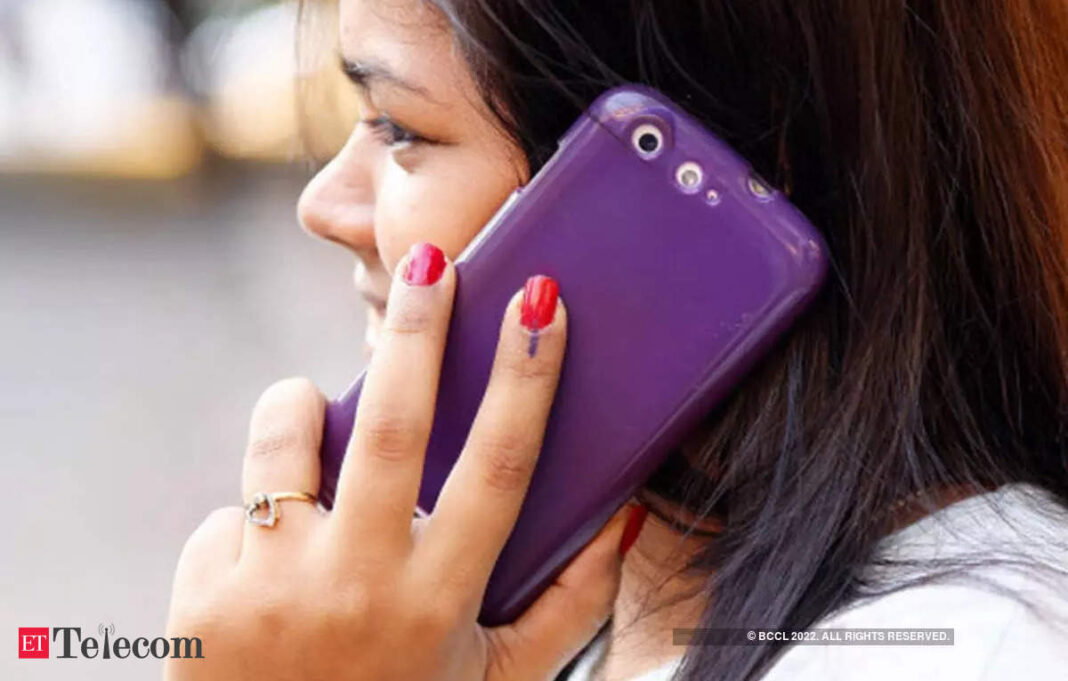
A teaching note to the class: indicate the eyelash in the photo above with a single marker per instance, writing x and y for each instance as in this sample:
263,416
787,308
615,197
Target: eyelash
391,134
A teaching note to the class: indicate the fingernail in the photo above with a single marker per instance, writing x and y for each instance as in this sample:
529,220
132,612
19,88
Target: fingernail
539,302
426,262
633,528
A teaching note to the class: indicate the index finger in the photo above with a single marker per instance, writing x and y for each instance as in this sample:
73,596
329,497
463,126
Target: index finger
378,485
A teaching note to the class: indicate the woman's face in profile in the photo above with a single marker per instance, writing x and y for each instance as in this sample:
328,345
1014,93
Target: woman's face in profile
426,161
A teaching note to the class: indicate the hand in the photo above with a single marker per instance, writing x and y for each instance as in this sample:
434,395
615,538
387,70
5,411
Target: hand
365,592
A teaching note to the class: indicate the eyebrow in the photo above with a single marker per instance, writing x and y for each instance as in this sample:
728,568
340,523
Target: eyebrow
365,73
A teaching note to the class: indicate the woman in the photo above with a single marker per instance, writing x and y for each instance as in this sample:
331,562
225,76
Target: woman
899,461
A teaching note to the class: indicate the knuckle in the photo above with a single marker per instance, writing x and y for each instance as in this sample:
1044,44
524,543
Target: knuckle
190,570
352,600
188,615
271,444
272,611
459,579
198,612
207,534
282,417
280,604
521,367
390,436
507,461
407,320
349,606
433,617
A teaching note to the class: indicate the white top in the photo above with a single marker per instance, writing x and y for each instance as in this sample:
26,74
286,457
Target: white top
995,635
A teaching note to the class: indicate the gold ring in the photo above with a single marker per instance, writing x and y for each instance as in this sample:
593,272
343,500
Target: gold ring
269,501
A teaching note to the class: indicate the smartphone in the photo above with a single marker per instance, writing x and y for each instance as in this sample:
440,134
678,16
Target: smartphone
680,268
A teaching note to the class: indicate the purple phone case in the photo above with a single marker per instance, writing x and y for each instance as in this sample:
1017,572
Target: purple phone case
671,298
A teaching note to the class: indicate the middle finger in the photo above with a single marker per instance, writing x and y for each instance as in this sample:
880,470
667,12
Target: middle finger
480,500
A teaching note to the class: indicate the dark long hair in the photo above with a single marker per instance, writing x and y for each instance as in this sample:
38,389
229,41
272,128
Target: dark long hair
929,143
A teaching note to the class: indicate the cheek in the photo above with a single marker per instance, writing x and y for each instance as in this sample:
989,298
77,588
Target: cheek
435,207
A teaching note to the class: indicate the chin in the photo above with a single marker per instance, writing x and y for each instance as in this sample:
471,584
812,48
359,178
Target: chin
370,336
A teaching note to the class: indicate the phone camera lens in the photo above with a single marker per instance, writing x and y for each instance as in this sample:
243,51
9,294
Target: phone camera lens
689,176
648,140
759,188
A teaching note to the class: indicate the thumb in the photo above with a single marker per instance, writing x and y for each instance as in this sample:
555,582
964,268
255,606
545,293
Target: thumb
571,611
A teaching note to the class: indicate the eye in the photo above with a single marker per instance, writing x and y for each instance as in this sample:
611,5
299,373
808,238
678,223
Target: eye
391,134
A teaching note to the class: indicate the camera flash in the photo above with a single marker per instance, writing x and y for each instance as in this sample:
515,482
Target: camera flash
689,176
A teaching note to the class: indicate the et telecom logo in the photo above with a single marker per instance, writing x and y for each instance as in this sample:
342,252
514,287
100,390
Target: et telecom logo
34,644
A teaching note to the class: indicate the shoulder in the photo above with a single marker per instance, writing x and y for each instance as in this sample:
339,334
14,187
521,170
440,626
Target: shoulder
587,662
1003,594
994,636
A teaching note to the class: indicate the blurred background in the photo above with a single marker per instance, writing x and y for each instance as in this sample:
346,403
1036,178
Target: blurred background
153,281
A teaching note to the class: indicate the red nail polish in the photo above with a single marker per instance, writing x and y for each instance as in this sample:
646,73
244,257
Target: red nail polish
426,262
633,527
539,302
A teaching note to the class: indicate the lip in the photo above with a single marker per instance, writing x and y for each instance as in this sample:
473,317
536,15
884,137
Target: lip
374,298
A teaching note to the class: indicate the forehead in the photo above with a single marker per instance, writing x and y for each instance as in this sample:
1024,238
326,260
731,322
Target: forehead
409,37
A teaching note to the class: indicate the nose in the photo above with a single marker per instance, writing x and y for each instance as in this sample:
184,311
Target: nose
338,204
